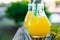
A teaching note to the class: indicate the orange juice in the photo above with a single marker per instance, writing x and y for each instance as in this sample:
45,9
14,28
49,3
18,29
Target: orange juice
37,26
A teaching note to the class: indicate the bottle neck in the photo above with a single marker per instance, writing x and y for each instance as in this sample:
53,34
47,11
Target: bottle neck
29,7
39,10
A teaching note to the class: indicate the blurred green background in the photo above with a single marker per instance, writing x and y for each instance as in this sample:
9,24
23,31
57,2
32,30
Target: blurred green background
11,15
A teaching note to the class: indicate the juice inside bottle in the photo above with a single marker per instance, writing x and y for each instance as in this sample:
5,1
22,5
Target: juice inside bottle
37,25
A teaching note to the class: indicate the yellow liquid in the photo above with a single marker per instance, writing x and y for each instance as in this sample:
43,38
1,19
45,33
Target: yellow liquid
37,26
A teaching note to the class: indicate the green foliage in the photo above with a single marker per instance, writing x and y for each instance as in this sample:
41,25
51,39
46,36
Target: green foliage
54,28
17,11
57,37
54,32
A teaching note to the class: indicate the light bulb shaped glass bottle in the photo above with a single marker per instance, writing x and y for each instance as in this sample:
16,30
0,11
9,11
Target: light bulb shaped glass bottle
36,22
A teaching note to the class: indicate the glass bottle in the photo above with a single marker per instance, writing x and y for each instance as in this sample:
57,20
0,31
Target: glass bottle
36,21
